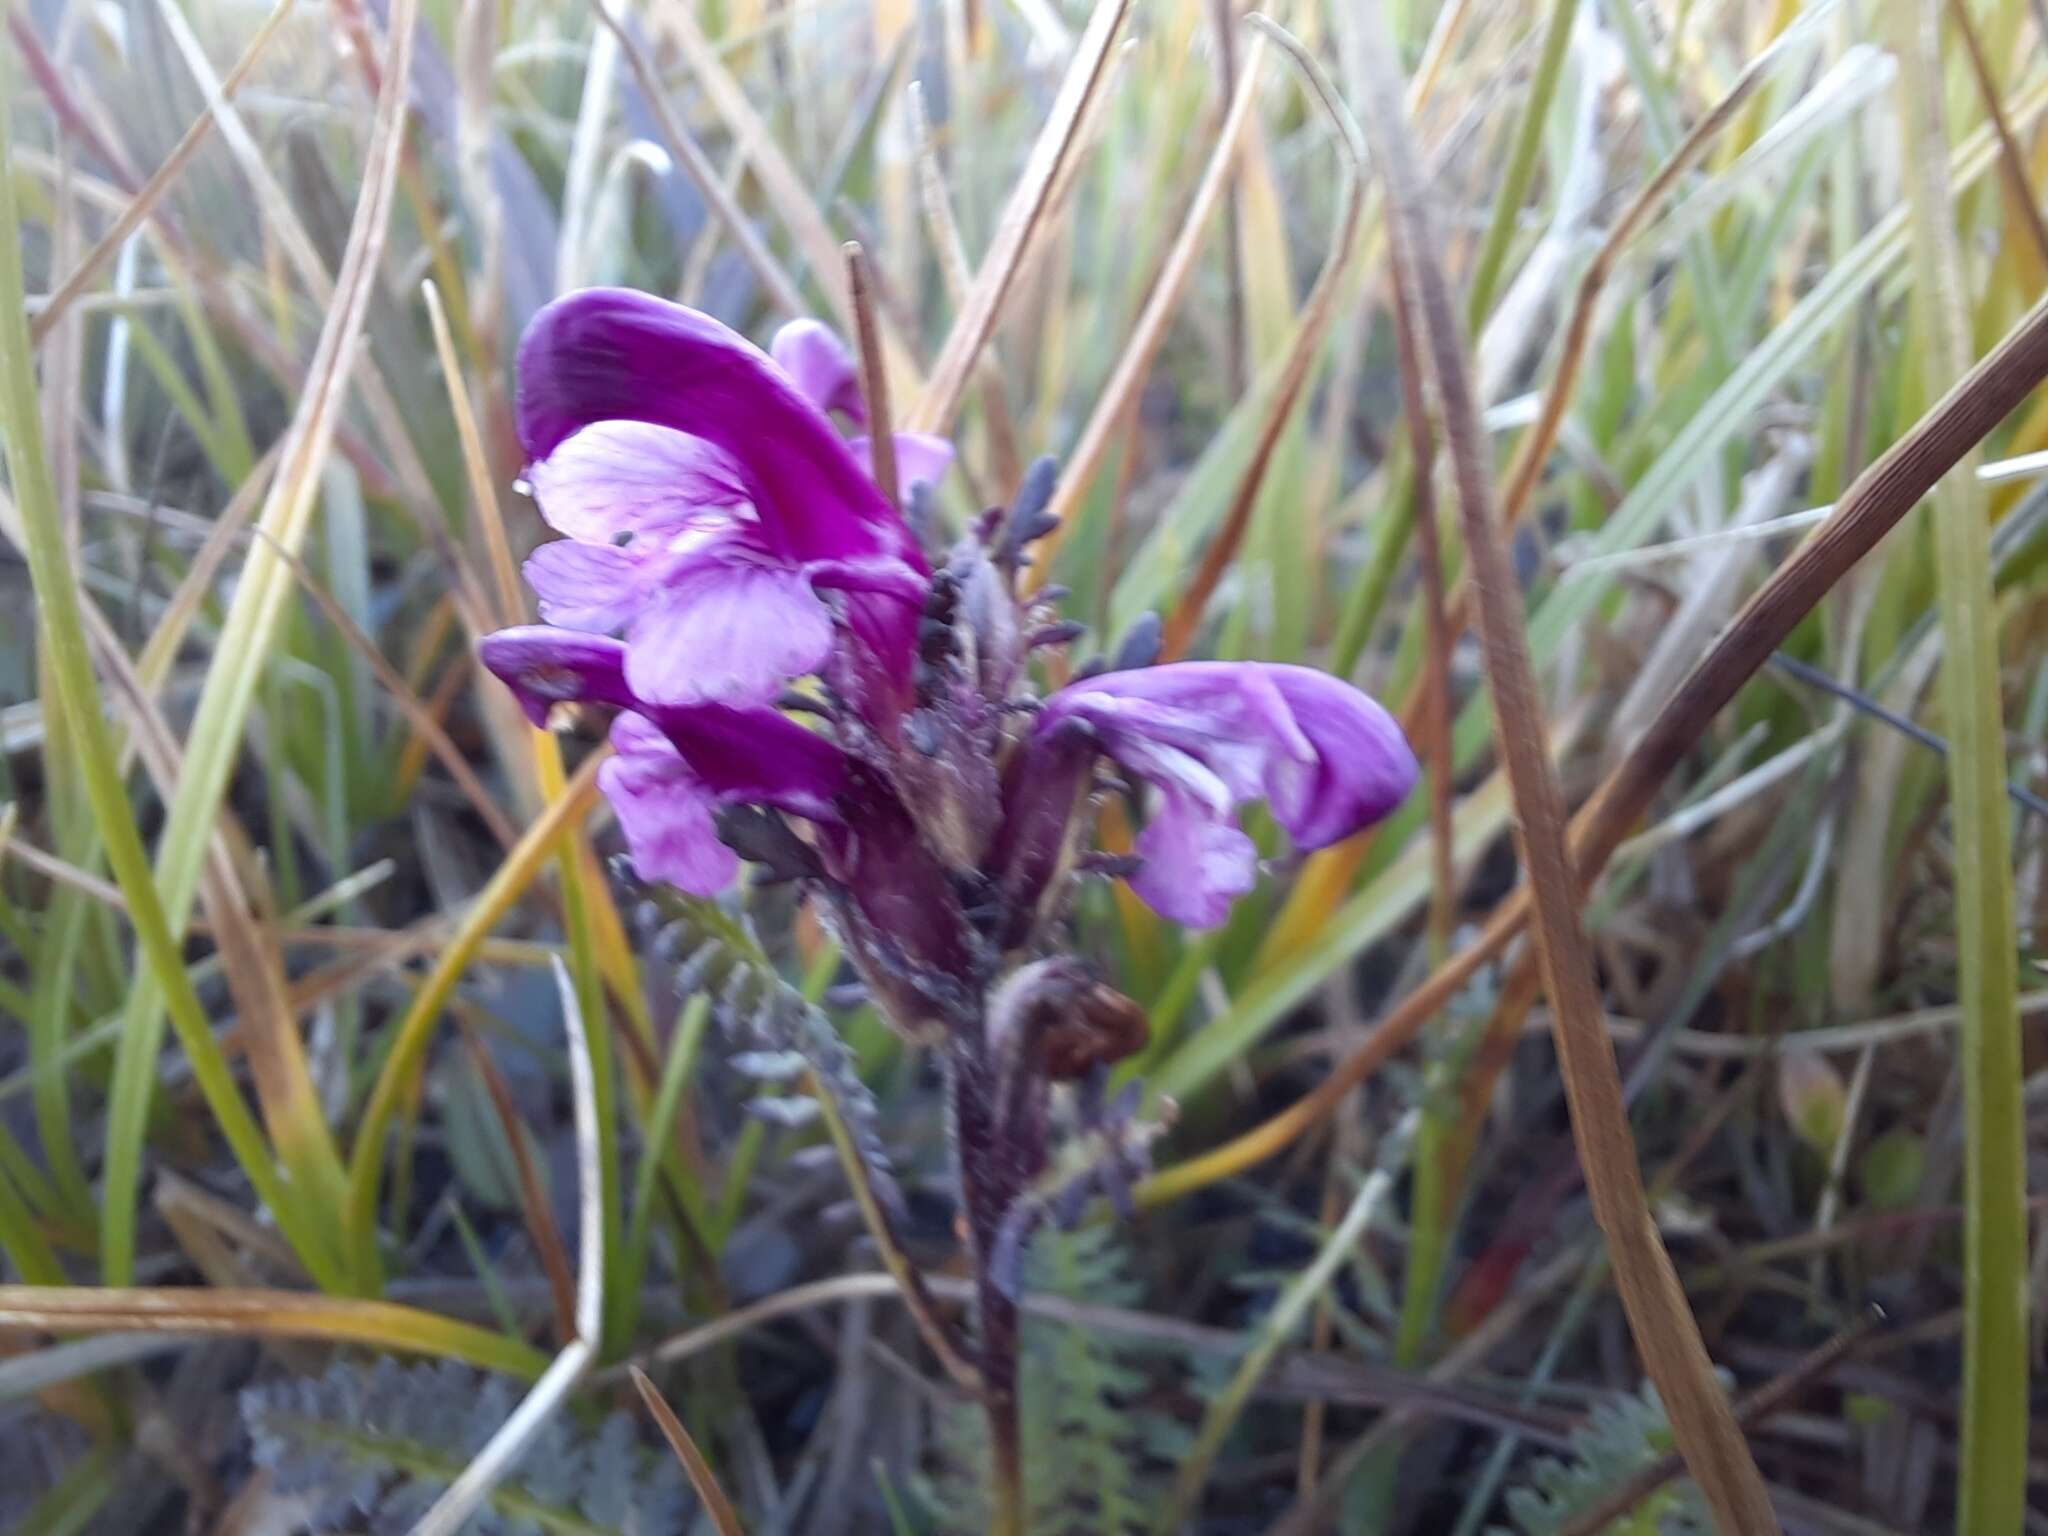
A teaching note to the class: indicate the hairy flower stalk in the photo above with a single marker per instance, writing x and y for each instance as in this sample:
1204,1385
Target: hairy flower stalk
798,682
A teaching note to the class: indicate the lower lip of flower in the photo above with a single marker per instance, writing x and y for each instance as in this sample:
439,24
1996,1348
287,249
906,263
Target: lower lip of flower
554,683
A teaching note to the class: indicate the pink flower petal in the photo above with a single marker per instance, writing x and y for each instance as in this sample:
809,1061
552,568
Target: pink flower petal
617,478
818,363
1196,863
919,457
610,354
545,666
598,587
727,632
667,816
1212,735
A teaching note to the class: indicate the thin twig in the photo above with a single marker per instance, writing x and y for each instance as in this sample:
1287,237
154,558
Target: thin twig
502,1452
682,144
1315,317
151,193
724,1518
1021,219
1666,1334
1295,1376
874,373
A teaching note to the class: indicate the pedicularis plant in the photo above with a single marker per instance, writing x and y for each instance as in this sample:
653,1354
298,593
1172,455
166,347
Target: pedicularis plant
804,680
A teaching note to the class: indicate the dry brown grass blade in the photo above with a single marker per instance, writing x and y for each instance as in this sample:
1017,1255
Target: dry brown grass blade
1752,1411
2011,159
1534,448
1006,460
704,176
1666,1334
1435,731
1316,313
490,517
533,1201
242,1313
481,607
1020,222
1880,497
724,1517
151,192
752,139
425,724
874,373
1113,405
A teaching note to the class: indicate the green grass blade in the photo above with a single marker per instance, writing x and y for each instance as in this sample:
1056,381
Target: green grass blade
654,1134
1993,1463
78,698
215,740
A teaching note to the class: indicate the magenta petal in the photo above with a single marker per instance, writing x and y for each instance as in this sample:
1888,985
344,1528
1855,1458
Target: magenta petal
759,757
919,457
1195,864
818,363
727,632
544,666
611,354
1358,769
628,477
880,578
665,812
1211,735
598,587
1326,758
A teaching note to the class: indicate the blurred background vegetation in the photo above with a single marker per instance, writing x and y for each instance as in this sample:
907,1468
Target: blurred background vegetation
280,885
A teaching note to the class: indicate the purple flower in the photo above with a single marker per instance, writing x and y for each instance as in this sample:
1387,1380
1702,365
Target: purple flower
721,525
931,805
818,363
677,765
716,518
1210,736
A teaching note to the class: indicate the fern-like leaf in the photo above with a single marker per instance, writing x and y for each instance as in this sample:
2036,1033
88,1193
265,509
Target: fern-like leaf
1094,1458
372,1447
714,949
1621,1437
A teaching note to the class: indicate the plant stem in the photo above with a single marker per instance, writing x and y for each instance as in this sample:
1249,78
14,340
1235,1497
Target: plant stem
991,1167
917,1298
